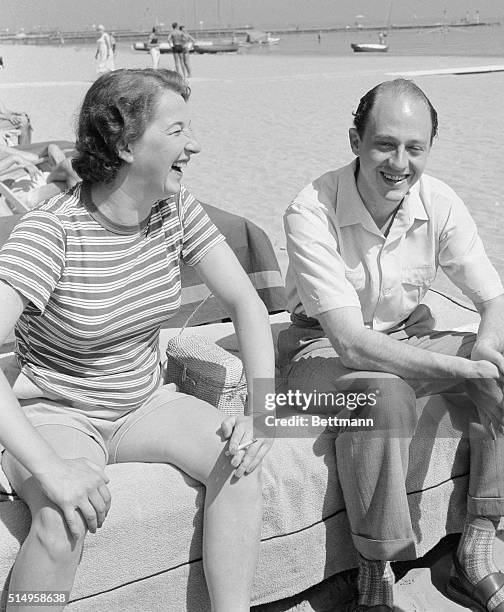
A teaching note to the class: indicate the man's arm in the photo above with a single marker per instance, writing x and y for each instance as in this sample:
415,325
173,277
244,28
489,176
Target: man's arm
363,349
490,341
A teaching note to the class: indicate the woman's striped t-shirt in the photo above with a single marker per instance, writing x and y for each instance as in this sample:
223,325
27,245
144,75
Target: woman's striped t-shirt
98,294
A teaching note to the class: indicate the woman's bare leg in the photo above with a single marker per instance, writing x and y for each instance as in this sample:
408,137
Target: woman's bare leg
48,558
185,432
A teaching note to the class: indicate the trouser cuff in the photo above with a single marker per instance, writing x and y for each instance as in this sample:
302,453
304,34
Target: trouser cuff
485,506
385,550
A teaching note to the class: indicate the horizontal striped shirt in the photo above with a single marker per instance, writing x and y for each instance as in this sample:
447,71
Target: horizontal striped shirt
98,293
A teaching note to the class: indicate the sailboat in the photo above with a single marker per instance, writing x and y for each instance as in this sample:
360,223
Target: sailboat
379,47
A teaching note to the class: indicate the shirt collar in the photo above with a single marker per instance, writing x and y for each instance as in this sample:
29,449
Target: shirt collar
350,208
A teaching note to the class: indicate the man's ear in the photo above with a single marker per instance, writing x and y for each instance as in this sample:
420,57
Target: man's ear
353,136
125,153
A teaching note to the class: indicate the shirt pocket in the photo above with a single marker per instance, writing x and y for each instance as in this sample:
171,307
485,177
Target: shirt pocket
415,283
356,277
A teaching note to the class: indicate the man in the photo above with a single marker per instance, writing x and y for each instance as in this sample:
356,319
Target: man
364,244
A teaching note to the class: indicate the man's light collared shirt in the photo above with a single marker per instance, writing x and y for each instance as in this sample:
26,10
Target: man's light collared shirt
338,257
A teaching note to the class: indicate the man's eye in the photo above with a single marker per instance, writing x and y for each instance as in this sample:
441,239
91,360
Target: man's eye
384,146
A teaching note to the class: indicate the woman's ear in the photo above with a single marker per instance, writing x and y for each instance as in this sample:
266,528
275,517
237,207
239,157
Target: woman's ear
125,153
353,136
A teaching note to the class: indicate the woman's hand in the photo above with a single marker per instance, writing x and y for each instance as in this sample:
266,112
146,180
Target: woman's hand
78,485
239,431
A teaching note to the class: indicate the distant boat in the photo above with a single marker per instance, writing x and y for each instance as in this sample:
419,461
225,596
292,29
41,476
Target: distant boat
369,47
261,38
269,40
199,46
211,46
164,47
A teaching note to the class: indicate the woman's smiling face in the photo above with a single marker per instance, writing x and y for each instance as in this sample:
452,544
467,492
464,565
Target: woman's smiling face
159,156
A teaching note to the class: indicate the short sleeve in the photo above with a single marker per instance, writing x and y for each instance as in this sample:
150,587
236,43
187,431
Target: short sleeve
316,265
33,258
199,234
462,256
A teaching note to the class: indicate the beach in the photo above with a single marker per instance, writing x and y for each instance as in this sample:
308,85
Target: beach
269,124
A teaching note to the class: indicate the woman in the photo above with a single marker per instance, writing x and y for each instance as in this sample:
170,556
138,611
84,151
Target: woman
88,278
104,54
154,50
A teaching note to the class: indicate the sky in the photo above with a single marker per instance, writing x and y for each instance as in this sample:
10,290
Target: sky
195,14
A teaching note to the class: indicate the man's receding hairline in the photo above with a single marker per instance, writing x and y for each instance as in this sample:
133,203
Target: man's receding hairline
410,95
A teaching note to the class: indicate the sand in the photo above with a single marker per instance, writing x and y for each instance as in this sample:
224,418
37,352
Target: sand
270,124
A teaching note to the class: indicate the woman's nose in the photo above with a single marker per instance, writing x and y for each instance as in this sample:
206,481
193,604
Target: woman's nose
193,145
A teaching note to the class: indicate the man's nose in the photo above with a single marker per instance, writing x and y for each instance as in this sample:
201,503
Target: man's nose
399,158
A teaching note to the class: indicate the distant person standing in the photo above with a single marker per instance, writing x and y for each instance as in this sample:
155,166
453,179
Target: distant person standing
176,38
154,49
113,43
319,37
188,42
104,54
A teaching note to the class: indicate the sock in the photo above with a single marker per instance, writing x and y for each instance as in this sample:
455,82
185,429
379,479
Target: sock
375,583
475,552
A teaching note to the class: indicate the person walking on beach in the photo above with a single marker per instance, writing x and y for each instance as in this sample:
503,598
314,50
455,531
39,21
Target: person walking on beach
188,43
74,274
177,40
104,54
364,244
153,44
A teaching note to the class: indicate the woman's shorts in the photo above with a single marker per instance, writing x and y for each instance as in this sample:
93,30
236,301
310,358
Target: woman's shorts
107,433
178,48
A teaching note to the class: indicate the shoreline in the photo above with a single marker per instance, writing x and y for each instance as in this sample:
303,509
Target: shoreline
55,37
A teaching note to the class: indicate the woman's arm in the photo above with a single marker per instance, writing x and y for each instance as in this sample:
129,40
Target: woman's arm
226,279
69,484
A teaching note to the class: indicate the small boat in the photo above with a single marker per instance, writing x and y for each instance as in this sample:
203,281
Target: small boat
210,46
164,47
269,40
369,47
199,46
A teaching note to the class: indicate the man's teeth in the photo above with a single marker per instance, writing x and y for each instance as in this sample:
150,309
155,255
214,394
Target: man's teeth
394,177
179,166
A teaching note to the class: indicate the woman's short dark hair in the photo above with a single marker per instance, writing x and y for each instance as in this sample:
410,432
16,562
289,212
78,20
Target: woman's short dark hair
397,87
116,111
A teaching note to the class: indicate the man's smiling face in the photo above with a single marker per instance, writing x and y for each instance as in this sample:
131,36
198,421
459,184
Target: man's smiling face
394,148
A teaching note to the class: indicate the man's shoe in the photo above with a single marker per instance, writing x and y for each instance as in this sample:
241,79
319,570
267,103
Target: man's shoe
475,597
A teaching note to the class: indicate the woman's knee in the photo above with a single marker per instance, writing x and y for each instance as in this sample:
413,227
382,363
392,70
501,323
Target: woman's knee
51,531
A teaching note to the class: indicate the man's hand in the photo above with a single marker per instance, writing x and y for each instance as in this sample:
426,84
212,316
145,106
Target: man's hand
78,485
484,350
485,389
14,161
239,431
